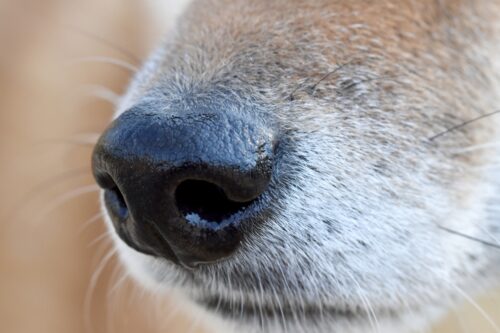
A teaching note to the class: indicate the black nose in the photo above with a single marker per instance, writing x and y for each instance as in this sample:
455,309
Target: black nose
183,186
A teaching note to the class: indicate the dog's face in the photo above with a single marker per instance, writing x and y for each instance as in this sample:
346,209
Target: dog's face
286,164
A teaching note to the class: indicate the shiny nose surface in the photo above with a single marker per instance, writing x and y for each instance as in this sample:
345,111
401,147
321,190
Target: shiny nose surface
182,186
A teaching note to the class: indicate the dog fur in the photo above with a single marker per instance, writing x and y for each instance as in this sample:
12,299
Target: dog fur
369,183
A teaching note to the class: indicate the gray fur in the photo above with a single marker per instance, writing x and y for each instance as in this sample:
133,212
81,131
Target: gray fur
360,193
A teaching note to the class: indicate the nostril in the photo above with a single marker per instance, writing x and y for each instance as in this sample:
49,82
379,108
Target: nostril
186,181
115,203
201,201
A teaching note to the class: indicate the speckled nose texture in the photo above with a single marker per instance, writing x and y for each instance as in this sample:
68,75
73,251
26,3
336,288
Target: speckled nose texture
182,185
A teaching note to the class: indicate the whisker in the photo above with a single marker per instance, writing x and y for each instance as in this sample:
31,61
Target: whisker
472,238
487,232
280,309
82,139
476,148
87,305
242,302
90,221
327,75
111,303
43,187
66,175
101,92
105,60
260,301
85,138
118,284
62,199
372,318
291,97
462,125
477,307
374,79
91,35
100,238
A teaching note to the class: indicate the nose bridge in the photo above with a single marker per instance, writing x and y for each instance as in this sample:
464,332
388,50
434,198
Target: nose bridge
224,156
217,136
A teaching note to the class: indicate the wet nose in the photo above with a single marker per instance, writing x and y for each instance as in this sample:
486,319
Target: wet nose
183,186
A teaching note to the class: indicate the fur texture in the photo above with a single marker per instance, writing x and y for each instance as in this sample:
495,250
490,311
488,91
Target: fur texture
365,192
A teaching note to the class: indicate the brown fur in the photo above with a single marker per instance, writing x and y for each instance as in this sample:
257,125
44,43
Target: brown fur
46,265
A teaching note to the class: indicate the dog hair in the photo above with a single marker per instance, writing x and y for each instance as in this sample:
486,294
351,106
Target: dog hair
385,187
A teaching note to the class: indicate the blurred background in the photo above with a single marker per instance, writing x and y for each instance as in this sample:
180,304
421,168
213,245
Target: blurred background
63,64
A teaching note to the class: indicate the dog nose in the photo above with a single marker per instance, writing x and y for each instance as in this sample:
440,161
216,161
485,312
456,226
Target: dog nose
183,186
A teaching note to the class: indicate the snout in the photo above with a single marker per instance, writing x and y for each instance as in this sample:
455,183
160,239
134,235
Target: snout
183,186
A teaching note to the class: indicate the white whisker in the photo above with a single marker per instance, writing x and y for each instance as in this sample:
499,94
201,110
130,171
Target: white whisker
85,138
82,139
260,298
61,200
99,238
105,60
91,288
110,306
118,284
280,308
372,318
19,208
481,311
475,148
103,41
101,92
90,221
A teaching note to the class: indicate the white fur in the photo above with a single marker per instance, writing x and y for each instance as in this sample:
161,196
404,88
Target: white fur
383,250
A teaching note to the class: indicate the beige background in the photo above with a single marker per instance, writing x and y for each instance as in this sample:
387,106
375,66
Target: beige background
51,248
